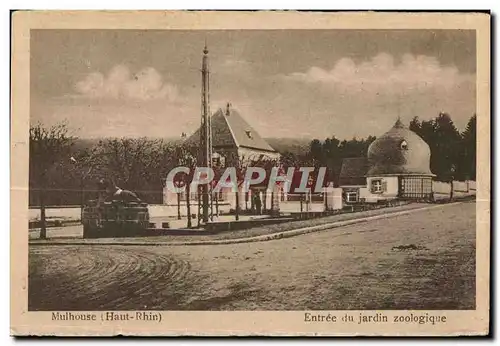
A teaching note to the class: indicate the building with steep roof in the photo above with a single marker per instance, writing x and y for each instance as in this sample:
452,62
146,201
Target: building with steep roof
397,166
234,144
234,140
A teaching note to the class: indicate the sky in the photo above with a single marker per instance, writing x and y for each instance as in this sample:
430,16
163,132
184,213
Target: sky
285,83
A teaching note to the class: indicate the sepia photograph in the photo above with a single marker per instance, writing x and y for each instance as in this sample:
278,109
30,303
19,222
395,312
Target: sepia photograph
313,170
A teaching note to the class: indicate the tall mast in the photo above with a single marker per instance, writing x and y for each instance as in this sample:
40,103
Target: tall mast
206,131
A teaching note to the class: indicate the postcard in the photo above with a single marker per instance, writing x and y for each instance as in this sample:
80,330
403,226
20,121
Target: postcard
266,173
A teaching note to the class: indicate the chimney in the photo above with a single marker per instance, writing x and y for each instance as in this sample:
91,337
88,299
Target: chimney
228,109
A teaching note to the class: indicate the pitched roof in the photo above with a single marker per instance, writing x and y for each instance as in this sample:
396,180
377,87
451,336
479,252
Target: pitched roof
231,130
353,171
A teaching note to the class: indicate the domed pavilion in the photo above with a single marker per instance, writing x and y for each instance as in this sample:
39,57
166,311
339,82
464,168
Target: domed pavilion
397,166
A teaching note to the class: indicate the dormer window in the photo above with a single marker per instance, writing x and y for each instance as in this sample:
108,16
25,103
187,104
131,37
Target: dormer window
218,160
404,145
249,134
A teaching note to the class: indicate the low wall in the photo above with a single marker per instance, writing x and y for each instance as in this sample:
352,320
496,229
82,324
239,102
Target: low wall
170,210
440,187
155,211
63,212
442,190
225,226
294,206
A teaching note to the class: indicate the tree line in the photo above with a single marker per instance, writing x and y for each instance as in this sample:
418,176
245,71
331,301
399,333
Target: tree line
328,153
453,153
71,174
62,172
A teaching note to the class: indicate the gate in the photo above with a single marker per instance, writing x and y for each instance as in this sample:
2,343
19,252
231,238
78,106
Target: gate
415,187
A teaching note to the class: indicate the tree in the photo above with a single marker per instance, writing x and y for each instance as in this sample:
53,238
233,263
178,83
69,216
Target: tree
329,154
445,147
186,157
138,164
444,141
333,159
242,164
48,146
467,164
268,164
289,159
84,165
415,125
316,151
355,147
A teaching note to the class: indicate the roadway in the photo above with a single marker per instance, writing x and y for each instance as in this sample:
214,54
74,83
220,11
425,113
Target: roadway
422,260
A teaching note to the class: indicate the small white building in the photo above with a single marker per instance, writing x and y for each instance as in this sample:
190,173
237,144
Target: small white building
352,178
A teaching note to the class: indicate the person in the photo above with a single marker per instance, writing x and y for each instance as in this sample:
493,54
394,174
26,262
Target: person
258,204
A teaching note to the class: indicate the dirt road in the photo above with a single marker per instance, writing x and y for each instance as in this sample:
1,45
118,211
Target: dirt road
424,260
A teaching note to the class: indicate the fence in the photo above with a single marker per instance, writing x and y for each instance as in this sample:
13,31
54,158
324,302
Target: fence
155,211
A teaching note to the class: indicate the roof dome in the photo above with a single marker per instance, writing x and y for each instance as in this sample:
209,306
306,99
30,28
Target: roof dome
399,151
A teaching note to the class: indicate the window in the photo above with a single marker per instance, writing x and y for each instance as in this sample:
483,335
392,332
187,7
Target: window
218,160
351,196
404,145
376,186
249,134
